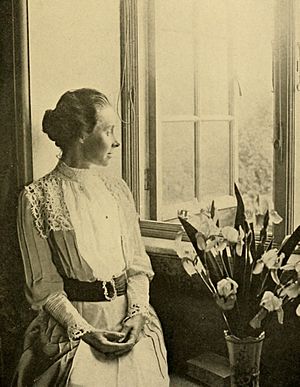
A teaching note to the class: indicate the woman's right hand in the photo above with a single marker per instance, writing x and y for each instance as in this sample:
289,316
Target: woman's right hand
107,342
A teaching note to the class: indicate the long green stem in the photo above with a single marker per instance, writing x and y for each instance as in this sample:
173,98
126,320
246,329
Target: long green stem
263,285
226,322
206,281
217,263
229,257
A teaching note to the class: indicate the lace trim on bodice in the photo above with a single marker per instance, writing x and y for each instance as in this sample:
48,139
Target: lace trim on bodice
47,205
47,199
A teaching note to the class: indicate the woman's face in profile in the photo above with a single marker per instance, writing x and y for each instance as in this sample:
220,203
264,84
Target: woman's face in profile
98,146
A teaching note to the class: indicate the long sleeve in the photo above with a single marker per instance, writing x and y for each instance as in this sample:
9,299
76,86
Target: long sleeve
41,275
139,271
44,285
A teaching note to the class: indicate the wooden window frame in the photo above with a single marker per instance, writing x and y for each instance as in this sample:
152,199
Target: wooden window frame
22,107
284,134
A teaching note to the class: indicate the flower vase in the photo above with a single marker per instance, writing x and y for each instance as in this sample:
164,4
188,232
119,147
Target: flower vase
244,359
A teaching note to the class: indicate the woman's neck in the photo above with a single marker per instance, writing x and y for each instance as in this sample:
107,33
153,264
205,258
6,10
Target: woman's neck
74,159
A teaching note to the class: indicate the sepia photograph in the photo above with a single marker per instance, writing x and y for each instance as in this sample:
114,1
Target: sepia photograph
150,193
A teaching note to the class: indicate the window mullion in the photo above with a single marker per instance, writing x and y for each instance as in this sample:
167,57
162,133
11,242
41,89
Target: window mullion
284,130
129,96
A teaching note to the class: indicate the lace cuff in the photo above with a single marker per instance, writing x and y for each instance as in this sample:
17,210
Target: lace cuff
75,332
62,310
136,309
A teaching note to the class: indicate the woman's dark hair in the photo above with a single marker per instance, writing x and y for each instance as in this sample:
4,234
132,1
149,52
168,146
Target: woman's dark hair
74,113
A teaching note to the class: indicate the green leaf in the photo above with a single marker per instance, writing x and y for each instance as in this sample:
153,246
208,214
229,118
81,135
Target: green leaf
290,245
191,232
240,218
212,209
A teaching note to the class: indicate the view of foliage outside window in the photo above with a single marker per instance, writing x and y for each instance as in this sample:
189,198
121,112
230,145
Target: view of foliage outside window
215,123
254,106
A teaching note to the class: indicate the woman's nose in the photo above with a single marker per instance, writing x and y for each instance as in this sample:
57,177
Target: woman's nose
115,144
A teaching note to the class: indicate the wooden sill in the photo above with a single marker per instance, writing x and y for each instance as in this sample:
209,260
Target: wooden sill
161,247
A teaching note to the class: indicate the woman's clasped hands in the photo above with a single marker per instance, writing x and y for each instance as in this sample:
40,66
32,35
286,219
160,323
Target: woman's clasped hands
112,343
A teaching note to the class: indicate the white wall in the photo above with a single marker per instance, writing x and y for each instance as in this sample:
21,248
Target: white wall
73,44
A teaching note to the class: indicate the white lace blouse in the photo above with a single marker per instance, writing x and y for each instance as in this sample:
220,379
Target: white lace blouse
95,217
80,224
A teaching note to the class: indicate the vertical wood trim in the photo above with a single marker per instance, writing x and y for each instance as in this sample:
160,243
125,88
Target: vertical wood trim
233,124
130,96
153,165
284,130
22,107
291,119
197,112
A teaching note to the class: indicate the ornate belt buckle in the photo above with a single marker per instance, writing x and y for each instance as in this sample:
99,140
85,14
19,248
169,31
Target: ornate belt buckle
105,290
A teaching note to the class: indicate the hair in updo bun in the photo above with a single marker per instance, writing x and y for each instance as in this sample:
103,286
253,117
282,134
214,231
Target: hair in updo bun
75,112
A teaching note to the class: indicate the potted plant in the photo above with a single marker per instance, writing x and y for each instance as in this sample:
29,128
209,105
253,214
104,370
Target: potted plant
247,276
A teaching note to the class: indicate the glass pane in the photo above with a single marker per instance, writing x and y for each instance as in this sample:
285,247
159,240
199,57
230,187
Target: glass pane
252,27
175,57
175,92
216,63
212,36
73,44
214,172
177,167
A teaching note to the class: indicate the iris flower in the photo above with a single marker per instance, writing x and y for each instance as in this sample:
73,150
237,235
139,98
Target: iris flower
226,293
272,303
184,249
269,303
187,253
293,263
292,290
234,236
227,287
272,261
263,205
208,233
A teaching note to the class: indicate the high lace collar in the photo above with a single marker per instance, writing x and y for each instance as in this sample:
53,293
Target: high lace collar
80,175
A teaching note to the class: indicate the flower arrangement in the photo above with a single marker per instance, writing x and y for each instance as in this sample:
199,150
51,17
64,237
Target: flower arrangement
248,279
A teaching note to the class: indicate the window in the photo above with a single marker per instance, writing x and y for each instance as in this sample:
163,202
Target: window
216,86
209,94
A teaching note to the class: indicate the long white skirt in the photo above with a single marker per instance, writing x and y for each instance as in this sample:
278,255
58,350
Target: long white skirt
144,366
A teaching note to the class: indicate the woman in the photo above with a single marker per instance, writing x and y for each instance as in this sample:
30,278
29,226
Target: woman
86,269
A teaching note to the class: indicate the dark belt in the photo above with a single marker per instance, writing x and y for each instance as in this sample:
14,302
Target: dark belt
95,291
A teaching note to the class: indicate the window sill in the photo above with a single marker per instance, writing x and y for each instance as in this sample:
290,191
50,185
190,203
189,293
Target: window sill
159,246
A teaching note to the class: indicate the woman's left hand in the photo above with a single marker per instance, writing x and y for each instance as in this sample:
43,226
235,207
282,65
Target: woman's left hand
132,328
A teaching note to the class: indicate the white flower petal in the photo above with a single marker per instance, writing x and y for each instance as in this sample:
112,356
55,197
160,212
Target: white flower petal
227,287
188,266
230,233
275,217
280,314
239,249
274,276
291,291
258,267
200,241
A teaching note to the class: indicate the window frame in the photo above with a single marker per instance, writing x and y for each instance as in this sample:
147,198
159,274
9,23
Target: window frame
284,113
284,117
21,80
134,170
